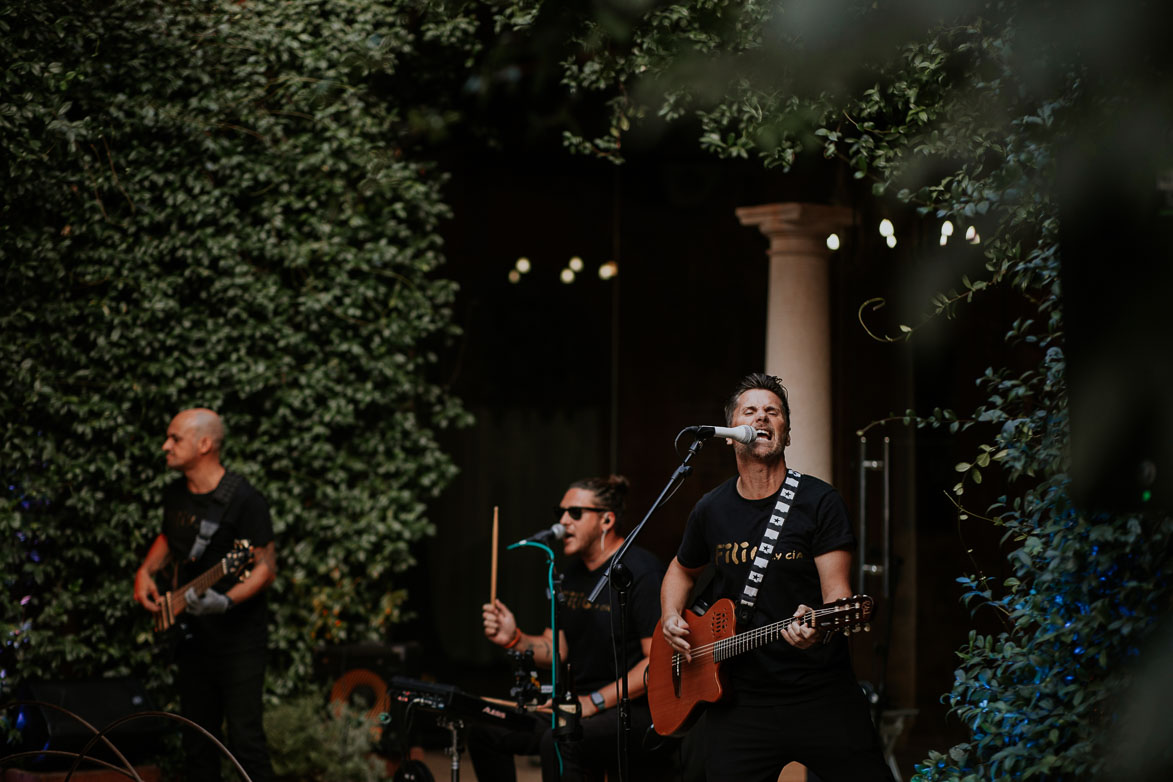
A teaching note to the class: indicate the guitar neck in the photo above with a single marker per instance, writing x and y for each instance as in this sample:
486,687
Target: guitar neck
200,584
752,639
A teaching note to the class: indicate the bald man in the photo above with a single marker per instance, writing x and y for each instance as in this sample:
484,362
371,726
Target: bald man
224,630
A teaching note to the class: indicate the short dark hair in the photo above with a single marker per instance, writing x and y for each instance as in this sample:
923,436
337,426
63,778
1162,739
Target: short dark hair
757,380
610,492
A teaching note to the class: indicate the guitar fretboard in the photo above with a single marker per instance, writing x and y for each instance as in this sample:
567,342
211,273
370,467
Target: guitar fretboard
200,584
752,639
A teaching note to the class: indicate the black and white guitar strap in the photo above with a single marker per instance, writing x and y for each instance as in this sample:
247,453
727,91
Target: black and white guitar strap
765,552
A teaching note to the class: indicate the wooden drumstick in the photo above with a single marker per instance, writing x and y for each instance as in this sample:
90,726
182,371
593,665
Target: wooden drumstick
493,568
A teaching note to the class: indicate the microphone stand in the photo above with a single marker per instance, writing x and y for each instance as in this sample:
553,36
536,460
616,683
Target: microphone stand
621,579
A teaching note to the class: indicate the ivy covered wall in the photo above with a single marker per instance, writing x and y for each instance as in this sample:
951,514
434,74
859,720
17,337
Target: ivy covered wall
213,204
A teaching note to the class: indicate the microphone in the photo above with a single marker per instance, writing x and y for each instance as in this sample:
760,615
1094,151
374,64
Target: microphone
557,532
744,434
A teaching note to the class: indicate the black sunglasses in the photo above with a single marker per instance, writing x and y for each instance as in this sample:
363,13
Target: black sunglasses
576,511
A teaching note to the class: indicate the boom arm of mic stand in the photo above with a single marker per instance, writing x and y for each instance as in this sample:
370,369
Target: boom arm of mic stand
620,576
682,472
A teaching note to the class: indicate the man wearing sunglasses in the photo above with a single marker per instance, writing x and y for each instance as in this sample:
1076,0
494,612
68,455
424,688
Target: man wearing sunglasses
592,513
780,545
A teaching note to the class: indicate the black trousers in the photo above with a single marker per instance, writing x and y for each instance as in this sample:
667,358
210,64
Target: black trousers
829,731
493,749
217,688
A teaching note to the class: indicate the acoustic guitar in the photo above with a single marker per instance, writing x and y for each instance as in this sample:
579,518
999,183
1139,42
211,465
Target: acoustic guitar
174,603
677,689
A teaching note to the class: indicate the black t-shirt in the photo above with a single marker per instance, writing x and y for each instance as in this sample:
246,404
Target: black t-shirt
246,517
725,529
589,627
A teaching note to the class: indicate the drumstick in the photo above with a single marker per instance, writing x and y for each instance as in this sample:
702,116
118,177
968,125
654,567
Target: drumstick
493,574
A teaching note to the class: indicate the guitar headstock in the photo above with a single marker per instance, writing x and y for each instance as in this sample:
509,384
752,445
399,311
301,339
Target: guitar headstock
240,557
847,614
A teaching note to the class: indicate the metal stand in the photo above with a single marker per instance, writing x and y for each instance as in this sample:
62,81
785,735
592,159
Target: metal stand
620,578
454,727
890,723
884,568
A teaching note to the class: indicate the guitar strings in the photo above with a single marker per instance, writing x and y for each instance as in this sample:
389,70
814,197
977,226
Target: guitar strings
740,639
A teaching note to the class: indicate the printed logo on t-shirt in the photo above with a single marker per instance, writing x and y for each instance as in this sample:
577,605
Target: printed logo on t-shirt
178,519
741,553
577,601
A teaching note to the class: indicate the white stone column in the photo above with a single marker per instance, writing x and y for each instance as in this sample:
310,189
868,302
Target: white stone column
798,324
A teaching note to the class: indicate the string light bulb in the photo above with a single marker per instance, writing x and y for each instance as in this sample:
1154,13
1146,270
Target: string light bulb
567,275
576,264
608,270
522,265
886,228
833,242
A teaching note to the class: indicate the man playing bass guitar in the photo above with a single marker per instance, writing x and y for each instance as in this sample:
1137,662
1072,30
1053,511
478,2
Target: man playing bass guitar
222,654
797,699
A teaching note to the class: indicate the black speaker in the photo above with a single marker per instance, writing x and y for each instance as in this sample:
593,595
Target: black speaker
99,702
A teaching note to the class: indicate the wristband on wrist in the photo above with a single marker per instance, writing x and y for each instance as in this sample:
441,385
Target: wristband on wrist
599,701
516,639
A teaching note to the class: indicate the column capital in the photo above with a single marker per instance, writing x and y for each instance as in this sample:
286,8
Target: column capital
791,222
795,217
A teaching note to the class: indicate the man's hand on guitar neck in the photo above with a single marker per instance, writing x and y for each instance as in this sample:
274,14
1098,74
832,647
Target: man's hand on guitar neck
799,634
210,602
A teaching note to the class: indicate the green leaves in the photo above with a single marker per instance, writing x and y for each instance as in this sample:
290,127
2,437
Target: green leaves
237,230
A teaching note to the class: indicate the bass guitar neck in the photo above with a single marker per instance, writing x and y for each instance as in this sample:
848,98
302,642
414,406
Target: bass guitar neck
174,602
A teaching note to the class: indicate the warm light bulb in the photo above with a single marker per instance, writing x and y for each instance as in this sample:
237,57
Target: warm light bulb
972,236
891,240
944,240
567,276
576,264
522,265
833,242
608,270
886,228
514,276
946,228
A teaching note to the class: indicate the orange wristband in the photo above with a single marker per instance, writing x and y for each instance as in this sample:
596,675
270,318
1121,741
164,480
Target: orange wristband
516,639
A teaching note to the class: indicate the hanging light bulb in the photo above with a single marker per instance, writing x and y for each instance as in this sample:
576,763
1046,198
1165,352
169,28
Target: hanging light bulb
576,264
567,276
522,265
608,270
972,236
886,228
833,242
514,276
891,240
947,228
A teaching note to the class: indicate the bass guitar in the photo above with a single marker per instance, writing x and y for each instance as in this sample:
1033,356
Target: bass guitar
174,603
678,688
